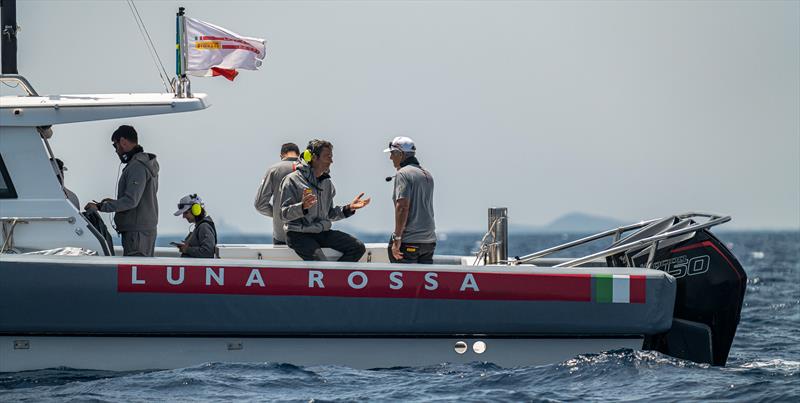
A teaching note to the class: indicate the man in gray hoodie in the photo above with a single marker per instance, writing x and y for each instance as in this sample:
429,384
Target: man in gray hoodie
307,208
268,197
136,206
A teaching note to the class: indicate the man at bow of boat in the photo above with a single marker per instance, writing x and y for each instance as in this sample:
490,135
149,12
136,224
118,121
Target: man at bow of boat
307,208
202,240
414,236
136,205
268,197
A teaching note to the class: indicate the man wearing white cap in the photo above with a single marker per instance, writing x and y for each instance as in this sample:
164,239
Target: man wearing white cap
414,236
202,240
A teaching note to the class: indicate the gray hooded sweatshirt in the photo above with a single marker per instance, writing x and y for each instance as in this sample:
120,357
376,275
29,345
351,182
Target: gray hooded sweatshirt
136,206
318,217
202,242
270,187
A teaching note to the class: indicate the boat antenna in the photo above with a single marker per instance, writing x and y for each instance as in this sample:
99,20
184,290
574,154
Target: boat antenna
8,26
184,87
149,44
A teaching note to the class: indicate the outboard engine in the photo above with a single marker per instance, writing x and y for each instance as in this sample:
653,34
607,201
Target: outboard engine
710,290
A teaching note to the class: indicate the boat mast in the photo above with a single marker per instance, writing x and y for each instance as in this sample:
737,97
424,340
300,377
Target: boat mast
8,23
184,89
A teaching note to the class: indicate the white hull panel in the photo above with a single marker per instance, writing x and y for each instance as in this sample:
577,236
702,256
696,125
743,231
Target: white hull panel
23,353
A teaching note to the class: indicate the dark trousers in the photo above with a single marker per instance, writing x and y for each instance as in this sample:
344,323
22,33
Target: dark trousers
140,243
414,253
309,246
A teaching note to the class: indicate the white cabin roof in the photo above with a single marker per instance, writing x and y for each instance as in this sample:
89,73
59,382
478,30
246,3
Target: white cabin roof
56,109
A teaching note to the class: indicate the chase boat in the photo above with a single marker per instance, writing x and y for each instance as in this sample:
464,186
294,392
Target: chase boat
666,284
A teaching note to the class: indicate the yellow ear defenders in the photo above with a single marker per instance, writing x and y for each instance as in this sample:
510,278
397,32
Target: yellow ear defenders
311,150
197,209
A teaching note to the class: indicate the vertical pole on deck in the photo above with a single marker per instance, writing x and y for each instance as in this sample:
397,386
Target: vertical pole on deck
498,228
8,30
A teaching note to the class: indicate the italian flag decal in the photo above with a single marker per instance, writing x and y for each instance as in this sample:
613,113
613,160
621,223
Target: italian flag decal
618,289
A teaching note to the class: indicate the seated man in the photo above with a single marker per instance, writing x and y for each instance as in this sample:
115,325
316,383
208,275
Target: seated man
307,208
202,241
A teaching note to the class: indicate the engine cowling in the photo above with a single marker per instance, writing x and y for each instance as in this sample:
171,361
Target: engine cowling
711,284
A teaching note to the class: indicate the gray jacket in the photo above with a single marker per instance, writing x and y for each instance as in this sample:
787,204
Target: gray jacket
270,190
202,242
136,206
318,218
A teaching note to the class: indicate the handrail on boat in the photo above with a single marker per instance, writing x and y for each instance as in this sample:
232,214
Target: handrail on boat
20,80
651,241
616,232
25,220
9,224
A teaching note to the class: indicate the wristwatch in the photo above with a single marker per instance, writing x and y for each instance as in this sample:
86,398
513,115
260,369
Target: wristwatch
395,237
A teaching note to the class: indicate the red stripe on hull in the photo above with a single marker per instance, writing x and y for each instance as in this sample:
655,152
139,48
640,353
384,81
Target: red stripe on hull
638,287
350,283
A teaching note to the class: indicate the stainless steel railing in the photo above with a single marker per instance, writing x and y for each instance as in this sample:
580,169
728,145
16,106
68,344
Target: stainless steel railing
651,241
20,80
10,224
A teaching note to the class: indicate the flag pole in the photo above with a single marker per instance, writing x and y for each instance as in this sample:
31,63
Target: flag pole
184,89
178,64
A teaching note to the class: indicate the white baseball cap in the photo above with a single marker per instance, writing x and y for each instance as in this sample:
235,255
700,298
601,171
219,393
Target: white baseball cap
401,143
186,203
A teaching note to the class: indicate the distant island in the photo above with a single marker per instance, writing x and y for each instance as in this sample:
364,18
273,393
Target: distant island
572,223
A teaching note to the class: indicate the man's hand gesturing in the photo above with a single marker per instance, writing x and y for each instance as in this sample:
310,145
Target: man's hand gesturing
357,203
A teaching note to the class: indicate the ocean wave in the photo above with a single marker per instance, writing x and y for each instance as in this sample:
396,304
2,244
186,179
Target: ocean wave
777,365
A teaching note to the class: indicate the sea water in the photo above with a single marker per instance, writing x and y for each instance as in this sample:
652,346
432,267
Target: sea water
764,362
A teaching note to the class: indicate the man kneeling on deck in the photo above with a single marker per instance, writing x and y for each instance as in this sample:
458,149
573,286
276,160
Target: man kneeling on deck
202,240
307,208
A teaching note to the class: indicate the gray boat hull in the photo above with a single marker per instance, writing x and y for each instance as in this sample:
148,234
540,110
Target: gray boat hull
73,311
93,295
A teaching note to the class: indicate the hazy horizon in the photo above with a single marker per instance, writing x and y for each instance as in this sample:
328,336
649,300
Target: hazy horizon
626,110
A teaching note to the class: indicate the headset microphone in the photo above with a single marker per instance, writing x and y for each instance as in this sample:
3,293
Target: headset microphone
389,178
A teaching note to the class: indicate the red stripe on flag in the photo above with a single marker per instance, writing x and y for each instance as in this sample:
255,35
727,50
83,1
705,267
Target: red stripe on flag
638,287
223,38
230,74
242,47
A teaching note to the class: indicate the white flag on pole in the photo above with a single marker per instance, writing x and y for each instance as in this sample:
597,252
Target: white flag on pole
216,51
